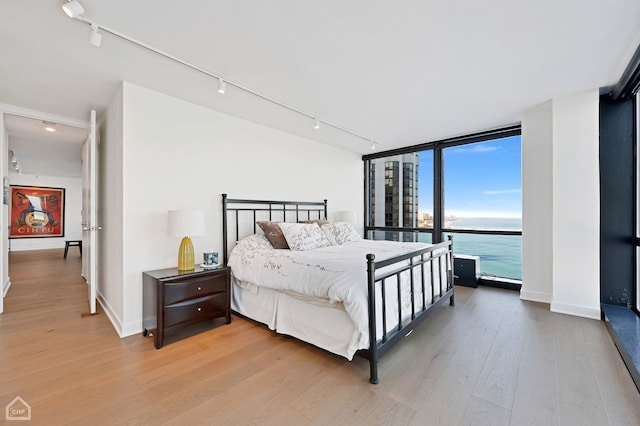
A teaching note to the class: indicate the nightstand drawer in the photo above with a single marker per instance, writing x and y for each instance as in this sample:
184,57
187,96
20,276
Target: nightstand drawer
198,287
195,310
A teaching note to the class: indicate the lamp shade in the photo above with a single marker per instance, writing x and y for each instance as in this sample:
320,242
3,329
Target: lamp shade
184,223
346,216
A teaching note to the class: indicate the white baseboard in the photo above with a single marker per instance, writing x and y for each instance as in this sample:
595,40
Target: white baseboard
535,296
115,321
122,330
131,329
5,287
576,310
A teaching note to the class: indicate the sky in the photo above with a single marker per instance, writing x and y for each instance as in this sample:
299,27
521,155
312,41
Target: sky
480,180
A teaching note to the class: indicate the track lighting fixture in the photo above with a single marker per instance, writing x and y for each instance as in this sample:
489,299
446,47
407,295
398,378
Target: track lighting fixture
73,9
14,160
49,126
95,38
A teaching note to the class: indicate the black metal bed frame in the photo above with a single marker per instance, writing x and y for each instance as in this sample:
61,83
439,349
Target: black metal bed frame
427,262
309,209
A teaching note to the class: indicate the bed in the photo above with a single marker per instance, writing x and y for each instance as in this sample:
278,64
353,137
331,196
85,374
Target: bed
348,296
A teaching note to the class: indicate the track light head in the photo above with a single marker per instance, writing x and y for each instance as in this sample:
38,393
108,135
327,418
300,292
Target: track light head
317,124
373,145
49,126
73,9
222,86
95,38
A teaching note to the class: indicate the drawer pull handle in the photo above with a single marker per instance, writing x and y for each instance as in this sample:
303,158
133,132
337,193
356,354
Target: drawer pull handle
199,288
199,309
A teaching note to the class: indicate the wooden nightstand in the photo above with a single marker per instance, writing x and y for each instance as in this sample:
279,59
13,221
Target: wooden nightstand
175,299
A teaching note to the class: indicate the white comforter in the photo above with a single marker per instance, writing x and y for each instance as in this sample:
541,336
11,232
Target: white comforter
337,273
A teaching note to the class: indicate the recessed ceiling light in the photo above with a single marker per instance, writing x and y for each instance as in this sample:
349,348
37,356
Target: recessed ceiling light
49,126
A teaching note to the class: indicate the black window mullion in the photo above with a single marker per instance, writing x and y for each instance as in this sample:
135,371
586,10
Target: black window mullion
438,188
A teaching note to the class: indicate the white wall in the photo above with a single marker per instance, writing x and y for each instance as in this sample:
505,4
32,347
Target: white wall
110,240
179,155
537,204
72,211
561,199
576,205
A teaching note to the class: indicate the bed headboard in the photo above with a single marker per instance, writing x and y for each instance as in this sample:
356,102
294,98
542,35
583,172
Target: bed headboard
240,216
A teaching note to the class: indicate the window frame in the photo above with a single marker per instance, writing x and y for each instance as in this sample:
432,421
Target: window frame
438,230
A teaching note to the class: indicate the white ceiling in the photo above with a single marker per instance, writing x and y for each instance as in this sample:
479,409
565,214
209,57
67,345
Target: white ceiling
40,152
399,73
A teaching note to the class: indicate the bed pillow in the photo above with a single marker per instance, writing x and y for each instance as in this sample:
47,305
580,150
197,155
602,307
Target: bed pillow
274,234
339,233
320,222
304,236
256,242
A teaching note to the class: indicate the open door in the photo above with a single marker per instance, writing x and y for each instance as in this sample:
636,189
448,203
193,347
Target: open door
90,225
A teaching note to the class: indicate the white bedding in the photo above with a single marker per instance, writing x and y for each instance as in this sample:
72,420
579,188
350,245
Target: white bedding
336,273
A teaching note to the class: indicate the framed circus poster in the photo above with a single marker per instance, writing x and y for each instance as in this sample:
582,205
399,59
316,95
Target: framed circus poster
36,212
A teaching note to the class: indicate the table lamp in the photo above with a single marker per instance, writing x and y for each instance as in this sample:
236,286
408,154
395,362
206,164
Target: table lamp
186,223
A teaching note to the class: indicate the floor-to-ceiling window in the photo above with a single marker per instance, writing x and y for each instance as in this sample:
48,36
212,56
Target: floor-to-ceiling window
468,187
482,192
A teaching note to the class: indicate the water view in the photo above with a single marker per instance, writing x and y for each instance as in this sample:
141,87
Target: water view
500,255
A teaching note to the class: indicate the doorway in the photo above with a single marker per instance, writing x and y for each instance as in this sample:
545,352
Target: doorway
44,151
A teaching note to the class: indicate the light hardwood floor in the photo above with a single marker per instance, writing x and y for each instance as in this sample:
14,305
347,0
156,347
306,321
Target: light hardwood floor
492,359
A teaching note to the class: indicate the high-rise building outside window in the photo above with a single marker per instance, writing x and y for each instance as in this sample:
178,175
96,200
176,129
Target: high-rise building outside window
394,177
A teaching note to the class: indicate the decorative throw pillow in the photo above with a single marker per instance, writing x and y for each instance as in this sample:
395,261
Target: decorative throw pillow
340,232
304,236
274,234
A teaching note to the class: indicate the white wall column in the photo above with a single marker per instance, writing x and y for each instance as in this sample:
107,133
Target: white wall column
561,216
537,204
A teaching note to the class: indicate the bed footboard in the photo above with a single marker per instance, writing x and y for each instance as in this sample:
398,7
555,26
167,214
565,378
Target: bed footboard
430,273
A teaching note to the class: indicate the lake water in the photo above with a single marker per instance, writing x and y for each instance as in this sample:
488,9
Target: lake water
500,255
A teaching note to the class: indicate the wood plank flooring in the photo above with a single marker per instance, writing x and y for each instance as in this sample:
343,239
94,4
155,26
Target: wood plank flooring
490,360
